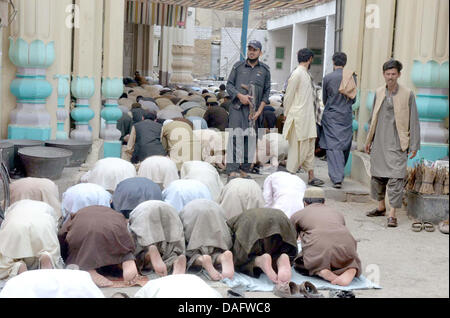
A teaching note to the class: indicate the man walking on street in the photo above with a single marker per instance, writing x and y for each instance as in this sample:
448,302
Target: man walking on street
337,130
394,132
245,73
300,125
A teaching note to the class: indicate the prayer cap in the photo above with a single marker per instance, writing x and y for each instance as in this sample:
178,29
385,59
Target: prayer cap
314,193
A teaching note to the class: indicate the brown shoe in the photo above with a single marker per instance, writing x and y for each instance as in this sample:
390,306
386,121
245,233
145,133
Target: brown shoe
376,212
287,290
392,222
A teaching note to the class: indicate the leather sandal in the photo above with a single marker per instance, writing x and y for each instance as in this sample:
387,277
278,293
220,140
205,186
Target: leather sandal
392,222
287,290
376,212
309,290
429,227
417,226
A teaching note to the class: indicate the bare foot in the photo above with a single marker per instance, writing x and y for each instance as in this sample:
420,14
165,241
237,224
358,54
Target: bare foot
209,267
345,278
99,280
129,271
328,275
284,269
265,263
179,266
45,262
226,259
22,268
158,265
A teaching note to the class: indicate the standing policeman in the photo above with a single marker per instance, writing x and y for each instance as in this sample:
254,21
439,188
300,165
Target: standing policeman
245,73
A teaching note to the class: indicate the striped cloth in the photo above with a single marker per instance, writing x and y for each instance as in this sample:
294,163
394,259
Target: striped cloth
151,13
237,5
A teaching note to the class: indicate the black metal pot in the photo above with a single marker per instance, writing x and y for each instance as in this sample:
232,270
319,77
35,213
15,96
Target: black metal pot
80,149
7,154
17,169
44,162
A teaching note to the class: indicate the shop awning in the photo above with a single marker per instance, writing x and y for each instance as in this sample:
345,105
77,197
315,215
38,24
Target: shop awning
174,12
237,5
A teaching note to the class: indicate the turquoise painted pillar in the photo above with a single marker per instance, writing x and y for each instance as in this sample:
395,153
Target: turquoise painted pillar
83,89
431,80
30,119
369,104
245,15
112,89
62,113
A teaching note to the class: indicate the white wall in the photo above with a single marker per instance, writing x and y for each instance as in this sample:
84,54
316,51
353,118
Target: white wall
230,47
280,38
316,40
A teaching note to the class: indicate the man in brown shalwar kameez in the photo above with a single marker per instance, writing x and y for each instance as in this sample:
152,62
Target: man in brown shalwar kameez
328,248
97,238
394,132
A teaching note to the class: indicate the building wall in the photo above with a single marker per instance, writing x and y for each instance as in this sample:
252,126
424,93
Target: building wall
280,38
230,47
202,59
316,40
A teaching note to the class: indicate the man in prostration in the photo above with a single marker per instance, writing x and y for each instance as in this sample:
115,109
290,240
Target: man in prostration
394,133
216,117
300,125
250,71
145,139
337,120
328,247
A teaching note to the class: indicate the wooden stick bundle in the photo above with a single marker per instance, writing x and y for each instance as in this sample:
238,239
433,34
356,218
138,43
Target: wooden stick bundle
418,180
439,181
428,176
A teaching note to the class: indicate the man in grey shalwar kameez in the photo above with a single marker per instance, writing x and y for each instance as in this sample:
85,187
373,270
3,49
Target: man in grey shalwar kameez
250,71
337,131
394,132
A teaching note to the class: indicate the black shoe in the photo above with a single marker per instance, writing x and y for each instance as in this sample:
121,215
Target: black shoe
337,185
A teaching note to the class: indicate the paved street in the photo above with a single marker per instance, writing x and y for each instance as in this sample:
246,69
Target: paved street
409,264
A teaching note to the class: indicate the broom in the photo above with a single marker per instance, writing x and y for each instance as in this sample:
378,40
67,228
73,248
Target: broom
428,176
439,182
411,179
418,180
445,191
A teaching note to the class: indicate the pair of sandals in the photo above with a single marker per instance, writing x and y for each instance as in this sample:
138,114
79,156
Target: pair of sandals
292,290
419,226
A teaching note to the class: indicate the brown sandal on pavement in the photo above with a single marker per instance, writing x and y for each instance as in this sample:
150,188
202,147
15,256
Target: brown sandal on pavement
376,212
392,222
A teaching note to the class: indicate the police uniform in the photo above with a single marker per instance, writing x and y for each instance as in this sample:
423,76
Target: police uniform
243,73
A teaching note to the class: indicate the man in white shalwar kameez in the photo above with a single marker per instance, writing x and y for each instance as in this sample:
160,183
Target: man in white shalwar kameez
300,125
284,191
28,239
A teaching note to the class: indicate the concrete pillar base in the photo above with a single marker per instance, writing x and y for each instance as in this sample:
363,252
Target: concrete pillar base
27,132
112,149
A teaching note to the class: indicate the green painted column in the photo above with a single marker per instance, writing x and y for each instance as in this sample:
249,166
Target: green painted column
83,88
112,89
431,80
62,113
30,119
